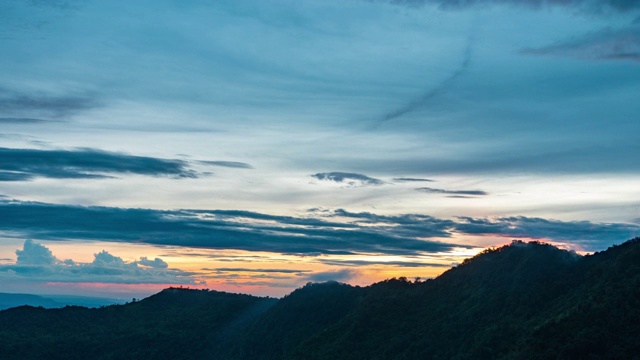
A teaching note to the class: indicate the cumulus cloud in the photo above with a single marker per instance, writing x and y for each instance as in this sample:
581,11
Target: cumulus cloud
26,164
35,254
452,192
605,45
37,263
351,179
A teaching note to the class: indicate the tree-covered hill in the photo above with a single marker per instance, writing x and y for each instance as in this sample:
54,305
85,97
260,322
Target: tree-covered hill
520,301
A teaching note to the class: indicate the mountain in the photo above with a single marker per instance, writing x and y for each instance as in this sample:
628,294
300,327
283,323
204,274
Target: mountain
12,300
519,301
52,301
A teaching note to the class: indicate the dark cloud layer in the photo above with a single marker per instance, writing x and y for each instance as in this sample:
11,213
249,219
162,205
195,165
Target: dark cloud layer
25,164
352,179
218,229
452,192
335,232
591,235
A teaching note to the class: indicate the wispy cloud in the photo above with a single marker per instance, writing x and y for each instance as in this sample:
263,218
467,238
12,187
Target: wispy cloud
26,164
404,179
249,270
23,120
605,45
357,263
432,92
587,5
351,179
452,192
229,164
35,262
20,105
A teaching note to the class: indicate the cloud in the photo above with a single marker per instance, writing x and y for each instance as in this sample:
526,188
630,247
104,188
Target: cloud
282,271
587,5
20,105
22,120
338,275
35,254
26,164
434,91
36,262
452,192
156,263
221,229
352,179
386,263
403,179
229,164
15,176
605,45
337,232
593,236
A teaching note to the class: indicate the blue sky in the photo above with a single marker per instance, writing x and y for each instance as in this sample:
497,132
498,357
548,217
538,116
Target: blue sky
253,146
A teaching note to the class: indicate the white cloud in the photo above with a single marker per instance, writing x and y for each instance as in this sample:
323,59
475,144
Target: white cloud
36,262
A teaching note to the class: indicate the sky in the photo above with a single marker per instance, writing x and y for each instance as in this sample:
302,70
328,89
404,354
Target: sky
254,146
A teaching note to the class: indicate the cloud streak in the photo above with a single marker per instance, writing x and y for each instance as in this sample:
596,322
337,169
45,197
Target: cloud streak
452,192
434,92
37,105
605,45
229,164
587,5
26,164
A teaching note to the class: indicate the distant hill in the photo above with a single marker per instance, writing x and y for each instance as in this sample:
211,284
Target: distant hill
52,301
12,300
520,301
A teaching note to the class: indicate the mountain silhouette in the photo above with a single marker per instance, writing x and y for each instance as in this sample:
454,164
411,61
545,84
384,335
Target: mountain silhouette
518,301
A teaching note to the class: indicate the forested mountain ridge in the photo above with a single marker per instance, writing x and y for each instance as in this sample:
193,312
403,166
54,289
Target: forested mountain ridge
519,301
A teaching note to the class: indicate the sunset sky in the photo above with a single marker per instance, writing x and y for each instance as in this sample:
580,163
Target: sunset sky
253,146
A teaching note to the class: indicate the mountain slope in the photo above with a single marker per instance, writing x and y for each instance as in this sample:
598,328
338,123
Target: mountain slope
173,324
511,302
